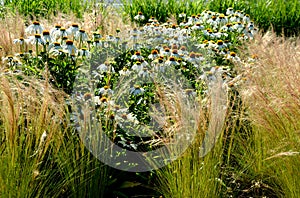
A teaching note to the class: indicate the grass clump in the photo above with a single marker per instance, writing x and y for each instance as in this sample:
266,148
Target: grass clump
31,117
271,95
40,156
199,169
261,148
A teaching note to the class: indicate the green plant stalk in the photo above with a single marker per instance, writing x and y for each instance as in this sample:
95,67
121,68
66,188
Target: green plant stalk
37,49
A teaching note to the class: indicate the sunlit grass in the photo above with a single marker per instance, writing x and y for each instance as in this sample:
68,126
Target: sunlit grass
271,94
40,155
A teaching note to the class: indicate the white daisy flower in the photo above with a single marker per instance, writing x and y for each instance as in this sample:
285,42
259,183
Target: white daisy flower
239,27
73,29
56,27
137,67
124,72
20,41
34,28
105,67
62,32
81,35
229,11
96,36
36,39
105,91
153,55
139,17
54,46
137,56
70,48
246,19
234,18
47,37
222,19
233,57
84,52
197,26
171,62
136,90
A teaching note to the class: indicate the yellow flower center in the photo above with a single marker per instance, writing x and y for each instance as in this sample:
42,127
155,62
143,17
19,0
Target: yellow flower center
233,54
103,99
220,42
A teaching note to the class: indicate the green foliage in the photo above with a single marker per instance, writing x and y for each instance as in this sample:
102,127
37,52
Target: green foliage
161,9
63,70
46,8
281,16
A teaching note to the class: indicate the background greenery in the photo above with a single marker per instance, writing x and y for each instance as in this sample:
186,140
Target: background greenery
37,9
283,16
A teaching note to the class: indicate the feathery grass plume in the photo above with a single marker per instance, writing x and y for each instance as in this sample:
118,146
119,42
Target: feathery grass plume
10,30
198,170
31,116
38,144
272,96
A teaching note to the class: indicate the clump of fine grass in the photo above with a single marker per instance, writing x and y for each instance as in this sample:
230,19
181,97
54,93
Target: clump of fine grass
39,154
30,117
9,31
272,95
198,170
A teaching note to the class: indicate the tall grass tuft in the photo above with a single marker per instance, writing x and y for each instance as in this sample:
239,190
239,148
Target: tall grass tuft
272,96
30,116
40,155
198,171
